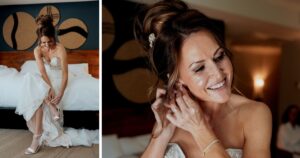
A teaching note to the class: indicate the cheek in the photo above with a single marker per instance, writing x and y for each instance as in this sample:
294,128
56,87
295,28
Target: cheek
199,81
197,84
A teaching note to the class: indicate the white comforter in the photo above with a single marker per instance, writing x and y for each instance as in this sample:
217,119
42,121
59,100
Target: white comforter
82,92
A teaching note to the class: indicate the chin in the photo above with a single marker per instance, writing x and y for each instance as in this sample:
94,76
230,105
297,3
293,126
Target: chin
220,97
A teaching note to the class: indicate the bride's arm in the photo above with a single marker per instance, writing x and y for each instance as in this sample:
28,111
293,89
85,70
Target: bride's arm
163,130
64,65
157,147
257,130
41,67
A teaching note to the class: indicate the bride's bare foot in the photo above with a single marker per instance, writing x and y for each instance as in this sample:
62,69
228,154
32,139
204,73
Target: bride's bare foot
35,145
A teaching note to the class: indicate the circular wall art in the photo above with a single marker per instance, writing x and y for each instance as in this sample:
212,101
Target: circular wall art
19,30
108,28
130,50
133,84
51,10
72,33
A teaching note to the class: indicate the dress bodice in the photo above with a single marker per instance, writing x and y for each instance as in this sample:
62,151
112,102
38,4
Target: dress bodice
235,153
174,151
54,63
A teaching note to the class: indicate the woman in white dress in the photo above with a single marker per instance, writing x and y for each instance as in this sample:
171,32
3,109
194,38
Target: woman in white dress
197,115
40,103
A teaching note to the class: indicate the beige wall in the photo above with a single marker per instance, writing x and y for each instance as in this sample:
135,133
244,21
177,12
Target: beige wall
250,60
289,75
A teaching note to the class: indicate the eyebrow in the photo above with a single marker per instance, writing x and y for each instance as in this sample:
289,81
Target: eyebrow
201,61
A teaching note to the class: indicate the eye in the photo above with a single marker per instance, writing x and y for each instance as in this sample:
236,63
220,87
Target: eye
220,57
201,68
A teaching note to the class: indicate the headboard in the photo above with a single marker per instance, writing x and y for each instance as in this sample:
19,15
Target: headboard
127,121
15,59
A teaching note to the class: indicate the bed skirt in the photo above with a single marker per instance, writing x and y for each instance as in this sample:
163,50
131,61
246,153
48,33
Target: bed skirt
75,119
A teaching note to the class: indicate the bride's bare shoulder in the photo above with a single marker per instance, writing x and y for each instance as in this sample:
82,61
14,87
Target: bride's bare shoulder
250,108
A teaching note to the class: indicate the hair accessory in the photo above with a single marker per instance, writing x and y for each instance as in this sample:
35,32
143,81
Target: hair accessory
209,146
151,39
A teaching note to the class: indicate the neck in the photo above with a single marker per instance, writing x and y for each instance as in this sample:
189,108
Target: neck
213,110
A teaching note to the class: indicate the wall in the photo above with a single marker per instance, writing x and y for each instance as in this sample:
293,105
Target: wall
87,12
289,76
263,60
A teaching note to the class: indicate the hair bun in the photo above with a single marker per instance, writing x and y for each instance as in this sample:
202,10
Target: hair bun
152,19
44,21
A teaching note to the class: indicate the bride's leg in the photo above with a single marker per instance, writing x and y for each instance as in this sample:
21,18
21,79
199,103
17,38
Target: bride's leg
38,116
39,121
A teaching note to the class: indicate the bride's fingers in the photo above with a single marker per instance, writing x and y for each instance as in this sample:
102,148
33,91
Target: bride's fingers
160,92
156,104
155,108
171,118
181,87
189,101
56,100
180,102
176,111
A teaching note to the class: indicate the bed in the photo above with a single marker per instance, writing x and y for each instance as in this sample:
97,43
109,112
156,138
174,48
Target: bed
125,130
82,112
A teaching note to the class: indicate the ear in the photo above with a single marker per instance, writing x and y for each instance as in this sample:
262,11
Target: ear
180,81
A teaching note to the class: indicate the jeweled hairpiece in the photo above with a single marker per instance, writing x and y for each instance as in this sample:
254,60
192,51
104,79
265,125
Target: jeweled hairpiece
151,39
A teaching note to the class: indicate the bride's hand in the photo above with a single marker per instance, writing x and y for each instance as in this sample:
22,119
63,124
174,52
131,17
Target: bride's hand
51,94
187,114
162,128
56,100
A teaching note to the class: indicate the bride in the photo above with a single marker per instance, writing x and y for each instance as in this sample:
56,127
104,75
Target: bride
197,115
40,103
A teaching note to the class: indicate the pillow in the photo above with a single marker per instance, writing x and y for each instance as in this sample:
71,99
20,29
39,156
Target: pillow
30,66
134,145
111,147
79,69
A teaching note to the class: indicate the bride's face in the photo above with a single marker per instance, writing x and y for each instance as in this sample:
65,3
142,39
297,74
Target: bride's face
47,42
205,68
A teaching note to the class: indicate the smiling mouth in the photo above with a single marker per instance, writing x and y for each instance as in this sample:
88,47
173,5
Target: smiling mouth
218,85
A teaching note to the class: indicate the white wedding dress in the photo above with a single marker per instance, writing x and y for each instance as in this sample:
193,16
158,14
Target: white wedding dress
33,92
174,151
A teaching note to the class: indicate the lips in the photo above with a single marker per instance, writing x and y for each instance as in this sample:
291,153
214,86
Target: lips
217,85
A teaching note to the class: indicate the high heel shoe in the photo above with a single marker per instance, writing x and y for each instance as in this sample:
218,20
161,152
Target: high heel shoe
53,110
56,115
31,150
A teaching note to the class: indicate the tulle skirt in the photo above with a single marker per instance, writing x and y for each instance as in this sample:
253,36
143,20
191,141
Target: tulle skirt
33,92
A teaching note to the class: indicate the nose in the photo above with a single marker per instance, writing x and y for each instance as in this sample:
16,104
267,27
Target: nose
47,44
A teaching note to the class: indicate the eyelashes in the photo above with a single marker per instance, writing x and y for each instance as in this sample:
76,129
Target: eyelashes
217,59
220,57
201,68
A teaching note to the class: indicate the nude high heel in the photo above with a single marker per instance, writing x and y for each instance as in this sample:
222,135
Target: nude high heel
53,110
30,150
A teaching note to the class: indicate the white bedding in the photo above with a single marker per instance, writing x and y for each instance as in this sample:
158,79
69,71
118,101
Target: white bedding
124,147
82,92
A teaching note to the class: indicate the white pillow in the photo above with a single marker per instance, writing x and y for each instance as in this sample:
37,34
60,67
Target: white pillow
30,66
134,145
79,69
111,147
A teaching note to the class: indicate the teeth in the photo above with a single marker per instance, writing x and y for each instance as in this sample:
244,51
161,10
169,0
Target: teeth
216,86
